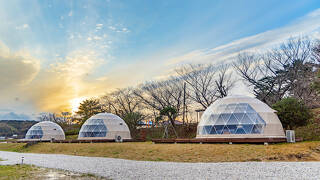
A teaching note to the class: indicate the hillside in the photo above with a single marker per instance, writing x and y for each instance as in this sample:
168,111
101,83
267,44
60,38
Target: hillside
10,127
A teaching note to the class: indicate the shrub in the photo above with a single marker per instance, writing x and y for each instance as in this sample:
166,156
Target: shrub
292,113
310,132
72,132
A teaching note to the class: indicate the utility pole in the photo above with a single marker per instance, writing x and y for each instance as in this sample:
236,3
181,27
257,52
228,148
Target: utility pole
184,103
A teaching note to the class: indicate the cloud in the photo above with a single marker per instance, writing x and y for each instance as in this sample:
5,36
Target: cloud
99,26
54,88
308,25
26,87
23,27
70,13
17,69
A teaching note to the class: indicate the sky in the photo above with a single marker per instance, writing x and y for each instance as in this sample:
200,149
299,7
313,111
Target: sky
54,54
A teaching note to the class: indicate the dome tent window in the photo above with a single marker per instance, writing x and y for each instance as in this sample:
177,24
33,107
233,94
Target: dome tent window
45,130
104,126
236,118
239,116
93,128
35,132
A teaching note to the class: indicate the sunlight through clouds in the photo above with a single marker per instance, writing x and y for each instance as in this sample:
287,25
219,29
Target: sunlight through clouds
53,55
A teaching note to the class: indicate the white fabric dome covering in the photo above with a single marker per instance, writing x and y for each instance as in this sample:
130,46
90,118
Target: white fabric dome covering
104,126
45,130
239,116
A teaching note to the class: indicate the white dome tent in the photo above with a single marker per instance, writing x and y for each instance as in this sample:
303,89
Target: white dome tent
239,117
45,130
104,126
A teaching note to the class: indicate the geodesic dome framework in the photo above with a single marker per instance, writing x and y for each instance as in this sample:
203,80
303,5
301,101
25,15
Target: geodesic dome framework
239,116
45,130
104,126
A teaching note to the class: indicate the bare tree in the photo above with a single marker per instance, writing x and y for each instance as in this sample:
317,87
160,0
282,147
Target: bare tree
125,104
284,71
206,83
54,117
163,95
122,102
316,52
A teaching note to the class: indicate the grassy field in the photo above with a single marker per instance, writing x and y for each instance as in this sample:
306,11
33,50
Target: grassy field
32,172
303,151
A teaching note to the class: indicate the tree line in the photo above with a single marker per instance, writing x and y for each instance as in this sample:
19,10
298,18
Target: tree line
289,70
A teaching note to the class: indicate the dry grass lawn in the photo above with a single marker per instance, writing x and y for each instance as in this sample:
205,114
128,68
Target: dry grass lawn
303,151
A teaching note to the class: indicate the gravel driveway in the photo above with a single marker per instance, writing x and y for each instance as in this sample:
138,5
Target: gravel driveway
128,169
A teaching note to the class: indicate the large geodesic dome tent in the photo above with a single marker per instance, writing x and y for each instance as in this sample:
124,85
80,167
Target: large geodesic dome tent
45,130
104,126
239,116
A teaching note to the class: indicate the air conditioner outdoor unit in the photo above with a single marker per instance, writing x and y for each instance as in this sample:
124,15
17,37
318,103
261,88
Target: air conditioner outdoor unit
291,138
118,138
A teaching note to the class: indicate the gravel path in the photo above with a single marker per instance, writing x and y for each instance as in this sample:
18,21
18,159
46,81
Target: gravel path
128,169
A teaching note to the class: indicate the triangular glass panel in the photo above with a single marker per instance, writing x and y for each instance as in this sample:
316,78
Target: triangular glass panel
260,127
98,129
89,128
207,129
199,130
232,120
219,129
232,128
231,107
256,129
239,116
221,108
250,109
212,119
240,131
220,121
225,130
213,131
226,110
259,120
226,117
237,110
253,117
241,107
248,128
245,120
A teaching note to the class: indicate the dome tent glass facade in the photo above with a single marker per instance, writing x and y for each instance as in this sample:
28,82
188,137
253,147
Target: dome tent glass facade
239,116
45,130
104,126
93,128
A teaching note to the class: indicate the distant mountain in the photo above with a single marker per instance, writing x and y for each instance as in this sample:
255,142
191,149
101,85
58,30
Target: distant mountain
15,116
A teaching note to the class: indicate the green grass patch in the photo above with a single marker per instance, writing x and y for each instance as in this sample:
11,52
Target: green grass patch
32,172
18,172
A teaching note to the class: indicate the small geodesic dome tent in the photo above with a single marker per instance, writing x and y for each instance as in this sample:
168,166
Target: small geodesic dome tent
239,116
104,126
45,130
